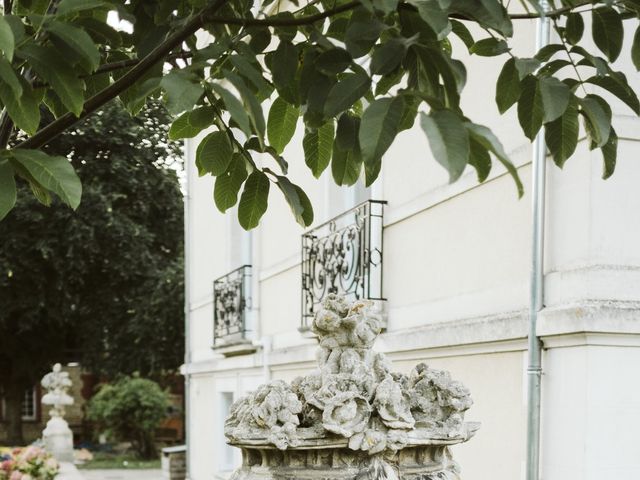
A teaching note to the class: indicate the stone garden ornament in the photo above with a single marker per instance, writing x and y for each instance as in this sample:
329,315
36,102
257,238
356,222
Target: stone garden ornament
57,435
352,418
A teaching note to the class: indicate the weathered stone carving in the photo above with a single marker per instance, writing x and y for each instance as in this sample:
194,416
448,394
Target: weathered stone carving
352,413
57,435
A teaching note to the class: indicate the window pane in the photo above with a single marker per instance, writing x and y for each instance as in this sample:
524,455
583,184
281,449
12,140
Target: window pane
29,404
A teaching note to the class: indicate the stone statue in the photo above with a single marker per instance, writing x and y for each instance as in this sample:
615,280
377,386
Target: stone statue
352,418
57,435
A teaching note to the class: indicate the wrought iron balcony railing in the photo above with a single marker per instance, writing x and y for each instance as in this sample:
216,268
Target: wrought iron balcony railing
231,302
343,255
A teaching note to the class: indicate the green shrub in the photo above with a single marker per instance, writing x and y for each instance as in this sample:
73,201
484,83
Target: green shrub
130,410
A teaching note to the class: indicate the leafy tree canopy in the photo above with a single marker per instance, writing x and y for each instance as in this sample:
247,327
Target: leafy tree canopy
104,284
355,72
130,409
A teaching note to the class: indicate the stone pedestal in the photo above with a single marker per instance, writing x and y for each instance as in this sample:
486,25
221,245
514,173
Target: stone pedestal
320,460
58,439
353,418
57,436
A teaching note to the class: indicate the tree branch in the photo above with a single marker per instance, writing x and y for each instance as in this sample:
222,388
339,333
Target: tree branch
282,22
127,80
551,13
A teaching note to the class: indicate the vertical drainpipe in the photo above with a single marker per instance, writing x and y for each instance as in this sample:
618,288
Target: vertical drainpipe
534,368
187,310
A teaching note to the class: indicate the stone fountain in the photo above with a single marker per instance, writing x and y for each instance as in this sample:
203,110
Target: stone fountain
57,435
352,418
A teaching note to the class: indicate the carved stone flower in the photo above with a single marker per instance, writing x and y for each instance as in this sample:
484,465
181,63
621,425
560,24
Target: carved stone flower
372,441
346,413
275,404
283,436
393,404
396,439
437,401
239,414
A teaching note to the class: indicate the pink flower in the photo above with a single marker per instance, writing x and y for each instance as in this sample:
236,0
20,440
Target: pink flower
16,476
30,453
7,465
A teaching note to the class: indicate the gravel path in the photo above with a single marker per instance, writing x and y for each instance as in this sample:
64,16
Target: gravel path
116,474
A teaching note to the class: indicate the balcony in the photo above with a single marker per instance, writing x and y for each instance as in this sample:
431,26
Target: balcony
344,256
231,306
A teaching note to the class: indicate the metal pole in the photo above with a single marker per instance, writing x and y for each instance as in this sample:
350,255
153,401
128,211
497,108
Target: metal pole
534,369
187,312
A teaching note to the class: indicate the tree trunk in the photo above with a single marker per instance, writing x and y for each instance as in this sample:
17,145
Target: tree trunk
13,413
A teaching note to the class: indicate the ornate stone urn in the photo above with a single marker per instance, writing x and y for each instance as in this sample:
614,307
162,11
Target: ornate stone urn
353,418
57,435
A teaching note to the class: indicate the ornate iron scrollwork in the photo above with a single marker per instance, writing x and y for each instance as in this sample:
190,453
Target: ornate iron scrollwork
231,300
343,256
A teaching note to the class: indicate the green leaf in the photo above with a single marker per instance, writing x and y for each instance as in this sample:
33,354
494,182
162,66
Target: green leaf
619,89
410,112
53,68
434,15
346,163
333,61
526,66
488,140
227,186
508,86
183,91
8,76
54,173
77,40
297,200
214,154
254,200
530,107
71,6
380,124
346,92
489,47
284,66
607,31
7,188
610,154
251,104
249,71
388,56
555,97
346,166
189,124
462,32
488,13
449,140
635,49
361,35
561,135
24,110
574,28
235,109
598,122
548,51
7,40
318,147
479,158
54,104
386,6
281,124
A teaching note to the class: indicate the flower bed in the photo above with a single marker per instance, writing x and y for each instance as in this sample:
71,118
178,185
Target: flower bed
29,463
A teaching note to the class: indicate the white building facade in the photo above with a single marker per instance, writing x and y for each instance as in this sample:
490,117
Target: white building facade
455,262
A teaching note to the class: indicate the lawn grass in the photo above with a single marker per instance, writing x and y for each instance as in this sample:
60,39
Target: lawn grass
103,460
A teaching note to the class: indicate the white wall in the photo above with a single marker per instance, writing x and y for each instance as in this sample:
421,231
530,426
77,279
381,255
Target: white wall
456,261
